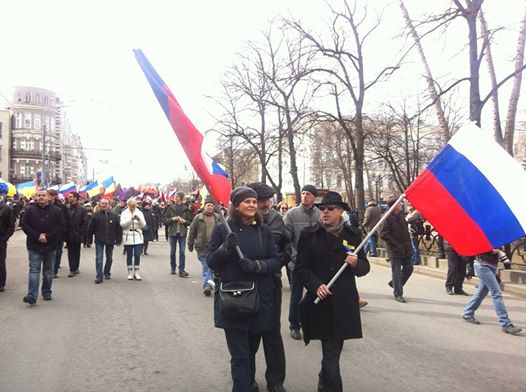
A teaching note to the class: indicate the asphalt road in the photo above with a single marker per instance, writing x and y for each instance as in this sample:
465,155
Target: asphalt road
158,335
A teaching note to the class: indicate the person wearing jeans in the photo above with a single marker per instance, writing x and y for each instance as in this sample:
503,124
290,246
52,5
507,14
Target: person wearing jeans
395,234
486,270
177,218
199,235
43,224
40,262
104,225
371,217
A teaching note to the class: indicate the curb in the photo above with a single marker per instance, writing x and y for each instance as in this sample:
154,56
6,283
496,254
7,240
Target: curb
508,288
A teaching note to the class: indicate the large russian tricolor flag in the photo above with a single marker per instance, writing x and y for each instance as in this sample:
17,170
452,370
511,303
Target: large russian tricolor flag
190,138
473,193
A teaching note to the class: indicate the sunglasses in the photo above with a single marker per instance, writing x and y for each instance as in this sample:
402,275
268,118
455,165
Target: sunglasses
284,208
330,208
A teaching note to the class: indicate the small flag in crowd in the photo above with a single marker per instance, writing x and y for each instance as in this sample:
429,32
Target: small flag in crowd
90,190
190,138
28,189
472,193
66,189
108,186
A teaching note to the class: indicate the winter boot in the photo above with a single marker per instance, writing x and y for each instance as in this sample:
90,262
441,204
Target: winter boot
137,276
130,273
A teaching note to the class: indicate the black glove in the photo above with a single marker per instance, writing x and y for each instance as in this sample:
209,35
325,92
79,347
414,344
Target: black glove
470,270
231,241
254,266
190,247
507,265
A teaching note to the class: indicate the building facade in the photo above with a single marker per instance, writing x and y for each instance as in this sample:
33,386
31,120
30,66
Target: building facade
5,136
41,141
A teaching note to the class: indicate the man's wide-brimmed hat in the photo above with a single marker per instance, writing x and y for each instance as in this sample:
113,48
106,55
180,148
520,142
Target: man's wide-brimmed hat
333,199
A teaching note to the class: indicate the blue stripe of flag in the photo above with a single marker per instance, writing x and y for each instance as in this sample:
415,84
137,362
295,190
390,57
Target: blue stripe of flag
477,196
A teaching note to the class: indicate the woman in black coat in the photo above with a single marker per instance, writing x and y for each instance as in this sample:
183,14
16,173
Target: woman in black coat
259,261
147,232
336,317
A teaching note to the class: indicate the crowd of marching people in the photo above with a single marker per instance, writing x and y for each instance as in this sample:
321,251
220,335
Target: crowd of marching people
243,251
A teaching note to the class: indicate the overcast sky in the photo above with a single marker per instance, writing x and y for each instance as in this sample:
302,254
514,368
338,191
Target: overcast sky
82,50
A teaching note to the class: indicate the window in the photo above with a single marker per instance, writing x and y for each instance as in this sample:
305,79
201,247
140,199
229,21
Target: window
18,121
0,154
30,144
28,97
46,100
1,130
23,144
27,120
37,121
46,123
37,98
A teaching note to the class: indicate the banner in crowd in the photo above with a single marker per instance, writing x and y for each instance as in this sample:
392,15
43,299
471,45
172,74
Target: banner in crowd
472,193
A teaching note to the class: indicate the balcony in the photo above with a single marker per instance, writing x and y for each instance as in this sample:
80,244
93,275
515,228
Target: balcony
22,153
35,154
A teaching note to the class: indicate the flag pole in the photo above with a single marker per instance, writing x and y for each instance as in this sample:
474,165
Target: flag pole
364,241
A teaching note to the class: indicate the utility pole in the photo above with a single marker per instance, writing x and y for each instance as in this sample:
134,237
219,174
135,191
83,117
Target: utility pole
43,175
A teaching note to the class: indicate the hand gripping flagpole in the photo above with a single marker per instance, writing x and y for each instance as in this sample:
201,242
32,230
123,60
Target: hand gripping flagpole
223,219
362,244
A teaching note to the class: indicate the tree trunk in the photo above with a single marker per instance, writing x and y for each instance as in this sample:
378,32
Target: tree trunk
497,128
475,104
433,94
515,92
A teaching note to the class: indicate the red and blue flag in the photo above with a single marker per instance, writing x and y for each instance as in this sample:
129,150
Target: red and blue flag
189,136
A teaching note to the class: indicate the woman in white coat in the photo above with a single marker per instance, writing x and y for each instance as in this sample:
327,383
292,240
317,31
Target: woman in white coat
132,222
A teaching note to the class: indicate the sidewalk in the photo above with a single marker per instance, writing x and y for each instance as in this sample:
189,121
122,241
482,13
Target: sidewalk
435,267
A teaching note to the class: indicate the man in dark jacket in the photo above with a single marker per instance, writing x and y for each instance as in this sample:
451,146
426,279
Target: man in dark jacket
199,235
272,340
177,218
44,225
7,228
372,216
106,227
78,225
395,234
336,318
54,200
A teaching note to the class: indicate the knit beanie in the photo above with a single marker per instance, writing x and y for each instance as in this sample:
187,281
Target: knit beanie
241,193
310,189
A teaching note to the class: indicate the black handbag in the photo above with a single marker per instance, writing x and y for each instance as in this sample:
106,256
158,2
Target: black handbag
238,300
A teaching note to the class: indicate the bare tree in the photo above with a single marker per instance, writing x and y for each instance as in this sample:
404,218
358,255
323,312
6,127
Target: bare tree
515,92
346,68
285,64
431,87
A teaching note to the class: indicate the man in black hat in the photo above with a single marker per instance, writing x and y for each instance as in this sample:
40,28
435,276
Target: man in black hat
272,340
321,252
296,219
